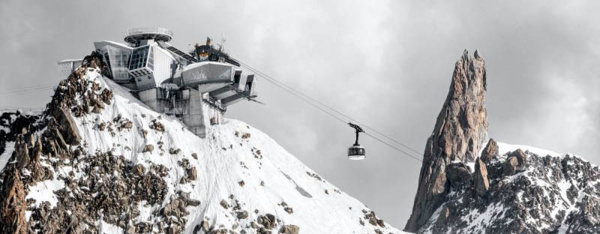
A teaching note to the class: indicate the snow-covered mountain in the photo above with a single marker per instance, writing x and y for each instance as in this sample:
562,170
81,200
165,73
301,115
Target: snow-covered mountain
100,160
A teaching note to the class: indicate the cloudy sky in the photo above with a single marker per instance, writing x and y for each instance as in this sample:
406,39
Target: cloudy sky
385,63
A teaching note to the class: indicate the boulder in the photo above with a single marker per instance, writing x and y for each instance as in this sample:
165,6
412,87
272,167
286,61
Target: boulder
106,96
127,125
510,166
490,151
242,215
224,204
148,148
289,229
482,184
521,157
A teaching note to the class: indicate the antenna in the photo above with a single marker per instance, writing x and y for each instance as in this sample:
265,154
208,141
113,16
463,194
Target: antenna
222,44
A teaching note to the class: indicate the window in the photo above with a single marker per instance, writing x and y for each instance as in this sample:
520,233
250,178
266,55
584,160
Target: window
139,57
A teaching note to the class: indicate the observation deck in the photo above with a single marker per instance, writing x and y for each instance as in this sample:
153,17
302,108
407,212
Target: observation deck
134,36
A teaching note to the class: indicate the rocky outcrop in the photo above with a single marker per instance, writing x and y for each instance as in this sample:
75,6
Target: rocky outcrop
12,205
482,184
547,194
12,124
458,135
490,151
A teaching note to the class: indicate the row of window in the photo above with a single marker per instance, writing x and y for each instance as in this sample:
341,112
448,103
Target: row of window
139,73
139,57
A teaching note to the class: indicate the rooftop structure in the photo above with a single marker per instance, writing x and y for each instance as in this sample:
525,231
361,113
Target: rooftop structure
137,35
197,86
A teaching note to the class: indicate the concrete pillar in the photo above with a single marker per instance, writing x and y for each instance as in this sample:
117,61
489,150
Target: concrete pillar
193,115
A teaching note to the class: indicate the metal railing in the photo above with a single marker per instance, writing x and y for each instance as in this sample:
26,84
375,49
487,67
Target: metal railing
149,30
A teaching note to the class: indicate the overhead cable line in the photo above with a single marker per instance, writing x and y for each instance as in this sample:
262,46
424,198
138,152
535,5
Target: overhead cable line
313,102
19,91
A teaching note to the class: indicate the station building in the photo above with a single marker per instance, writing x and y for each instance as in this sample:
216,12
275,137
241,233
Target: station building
197,86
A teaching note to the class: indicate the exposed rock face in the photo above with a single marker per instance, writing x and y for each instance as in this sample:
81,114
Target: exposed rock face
459,133
12,205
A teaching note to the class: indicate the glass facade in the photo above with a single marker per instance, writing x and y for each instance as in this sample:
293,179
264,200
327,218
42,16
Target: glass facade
118,60
139,57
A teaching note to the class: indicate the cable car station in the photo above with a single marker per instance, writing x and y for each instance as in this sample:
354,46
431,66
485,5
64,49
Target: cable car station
197,86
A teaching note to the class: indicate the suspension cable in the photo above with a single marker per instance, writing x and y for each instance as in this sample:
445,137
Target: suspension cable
313,102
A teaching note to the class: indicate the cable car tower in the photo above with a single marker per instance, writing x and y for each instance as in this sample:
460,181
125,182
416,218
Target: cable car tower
356,152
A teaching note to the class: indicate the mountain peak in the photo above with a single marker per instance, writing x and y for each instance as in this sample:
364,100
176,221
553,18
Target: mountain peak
100,160
499,188
458,135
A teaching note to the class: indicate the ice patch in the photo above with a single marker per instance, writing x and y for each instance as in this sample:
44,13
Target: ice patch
44,191
108,228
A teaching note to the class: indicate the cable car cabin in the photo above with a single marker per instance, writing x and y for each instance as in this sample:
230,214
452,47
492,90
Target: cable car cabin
356,152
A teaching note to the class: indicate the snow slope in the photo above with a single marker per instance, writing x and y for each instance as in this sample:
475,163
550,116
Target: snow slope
236,164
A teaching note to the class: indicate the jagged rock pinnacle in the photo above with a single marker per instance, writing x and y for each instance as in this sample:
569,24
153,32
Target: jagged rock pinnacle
458,135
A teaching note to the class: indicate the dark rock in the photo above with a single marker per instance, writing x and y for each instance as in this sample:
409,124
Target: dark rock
510,166
289,210
127,125
224,204
268,221
490,151
458,175
521,157
174,151
242,215
482,184
106,96
156,125
192,173
139,169
67,126
289,229
148,148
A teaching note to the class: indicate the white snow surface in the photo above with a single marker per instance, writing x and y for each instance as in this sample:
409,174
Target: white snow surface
5,156
504,148
224,158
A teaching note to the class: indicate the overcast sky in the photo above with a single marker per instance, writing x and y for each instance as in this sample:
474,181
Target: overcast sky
386,63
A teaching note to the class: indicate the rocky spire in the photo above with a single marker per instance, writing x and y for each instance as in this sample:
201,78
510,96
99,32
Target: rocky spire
459,133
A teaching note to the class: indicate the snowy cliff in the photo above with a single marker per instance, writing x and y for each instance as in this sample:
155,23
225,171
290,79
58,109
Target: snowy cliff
100,160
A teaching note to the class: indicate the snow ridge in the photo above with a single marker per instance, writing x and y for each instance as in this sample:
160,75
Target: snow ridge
548,193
